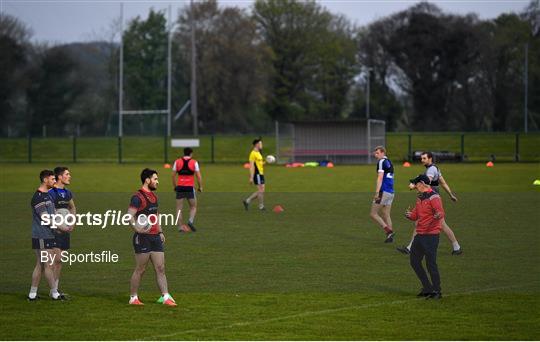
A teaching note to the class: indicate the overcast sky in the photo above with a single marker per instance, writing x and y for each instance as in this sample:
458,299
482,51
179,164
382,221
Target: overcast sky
61,21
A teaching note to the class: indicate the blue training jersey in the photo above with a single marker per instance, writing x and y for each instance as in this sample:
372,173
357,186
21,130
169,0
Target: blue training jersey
60,197
385,166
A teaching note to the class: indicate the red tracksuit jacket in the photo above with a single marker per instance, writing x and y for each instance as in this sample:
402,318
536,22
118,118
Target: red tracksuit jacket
428,204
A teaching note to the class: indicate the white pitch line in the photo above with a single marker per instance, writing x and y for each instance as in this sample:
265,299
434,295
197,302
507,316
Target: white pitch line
327,311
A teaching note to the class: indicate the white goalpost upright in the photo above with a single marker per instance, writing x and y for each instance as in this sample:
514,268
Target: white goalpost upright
121,111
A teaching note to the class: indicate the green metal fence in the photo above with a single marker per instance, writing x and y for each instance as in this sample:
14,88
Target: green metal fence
474,147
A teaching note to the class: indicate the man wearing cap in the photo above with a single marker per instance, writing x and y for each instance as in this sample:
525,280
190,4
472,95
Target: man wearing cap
428,214
436,178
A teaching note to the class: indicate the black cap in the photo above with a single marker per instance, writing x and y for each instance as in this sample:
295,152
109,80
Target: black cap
420,178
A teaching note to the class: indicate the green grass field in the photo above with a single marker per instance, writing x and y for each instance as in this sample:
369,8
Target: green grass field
319,270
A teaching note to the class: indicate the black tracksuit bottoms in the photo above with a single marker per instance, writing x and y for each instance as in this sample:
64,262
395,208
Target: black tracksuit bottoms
426,245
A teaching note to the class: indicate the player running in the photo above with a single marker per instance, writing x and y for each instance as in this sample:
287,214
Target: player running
184,171
384,193
148,242
256,174
435,176
62,198
43,239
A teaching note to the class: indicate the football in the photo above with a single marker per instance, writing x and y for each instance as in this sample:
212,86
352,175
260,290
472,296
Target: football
142,223
64,213
270,159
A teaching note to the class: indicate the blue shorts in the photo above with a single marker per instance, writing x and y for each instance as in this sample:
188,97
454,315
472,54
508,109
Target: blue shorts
258,179
185,192
63,241
146,243
43,243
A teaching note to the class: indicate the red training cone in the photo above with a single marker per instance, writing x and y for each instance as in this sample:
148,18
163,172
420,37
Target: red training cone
406,164
278,209
489,164
246,166
167,166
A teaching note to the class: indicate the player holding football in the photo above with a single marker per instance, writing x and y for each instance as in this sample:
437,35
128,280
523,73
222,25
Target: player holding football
256,174
184,171
435,176
43,239
148,240
62,198
384,193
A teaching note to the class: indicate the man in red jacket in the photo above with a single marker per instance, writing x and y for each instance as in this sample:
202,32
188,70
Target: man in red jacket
428,215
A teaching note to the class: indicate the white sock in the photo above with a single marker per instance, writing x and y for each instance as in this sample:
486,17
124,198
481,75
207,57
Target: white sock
191,219
409,246
56,283
33,292
248,200
132,298
456,246
261,206
166,296
54,293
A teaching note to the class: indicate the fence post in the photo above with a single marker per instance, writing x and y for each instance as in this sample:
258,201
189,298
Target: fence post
409,155
119,150
277,140
74,149
165,149
30,148
516,157
462,147
212,149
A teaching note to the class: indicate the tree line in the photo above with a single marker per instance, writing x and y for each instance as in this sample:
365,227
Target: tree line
282,60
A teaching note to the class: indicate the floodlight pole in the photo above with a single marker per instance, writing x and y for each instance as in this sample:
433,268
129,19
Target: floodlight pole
526,84
169,78
121,72
194,113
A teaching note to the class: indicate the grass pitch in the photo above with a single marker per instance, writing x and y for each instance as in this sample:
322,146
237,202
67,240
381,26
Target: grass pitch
319,270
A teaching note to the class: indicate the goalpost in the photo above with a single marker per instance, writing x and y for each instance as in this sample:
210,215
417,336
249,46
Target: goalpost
121,111
339,141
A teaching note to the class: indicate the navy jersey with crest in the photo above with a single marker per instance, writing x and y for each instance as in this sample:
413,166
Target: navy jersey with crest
61,197
384,165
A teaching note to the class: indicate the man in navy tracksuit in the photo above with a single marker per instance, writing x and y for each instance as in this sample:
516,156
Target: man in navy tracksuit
428,215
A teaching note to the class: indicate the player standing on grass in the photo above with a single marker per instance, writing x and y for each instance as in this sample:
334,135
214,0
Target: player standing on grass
184,171
428,215
256,174
43,239
62,198
148,242
384,193
436,178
